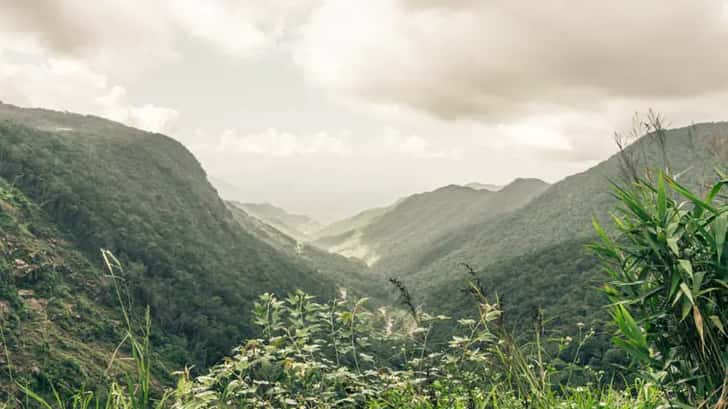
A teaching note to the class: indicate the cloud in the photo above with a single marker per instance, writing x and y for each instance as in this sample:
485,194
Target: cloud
29,77
150,117
111,34
497,61
275,143
280,144
241,29
149,31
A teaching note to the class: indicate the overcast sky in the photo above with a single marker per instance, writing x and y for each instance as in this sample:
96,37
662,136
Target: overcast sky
328,107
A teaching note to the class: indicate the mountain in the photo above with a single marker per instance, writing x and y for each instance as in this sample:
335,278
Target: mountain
396,237
144,197
53,302
298,226
484,186
349,273
535,256
352,223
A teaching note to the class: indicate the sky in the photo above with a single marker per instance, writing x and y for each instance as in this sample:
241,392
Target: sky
329,107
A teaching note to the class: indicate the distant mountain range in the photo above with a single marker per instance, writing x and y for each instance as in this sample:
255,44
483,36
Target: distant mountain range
300,227
421,220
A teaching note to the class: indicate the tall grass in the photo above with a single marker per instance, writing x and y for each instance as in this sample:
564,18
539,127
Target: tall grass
669,287
135,391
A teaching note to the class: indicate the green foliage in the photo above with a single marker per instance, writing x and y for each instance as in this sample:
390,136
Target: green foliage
342,355
669,286
54,331
146,198
536,256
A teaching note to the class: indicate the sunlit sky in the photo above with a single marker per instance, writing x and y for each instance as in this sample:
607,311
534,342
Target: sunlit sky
328,107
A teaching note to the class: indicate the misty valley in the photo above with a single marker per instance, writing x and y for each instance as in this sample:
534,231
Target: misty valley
123,266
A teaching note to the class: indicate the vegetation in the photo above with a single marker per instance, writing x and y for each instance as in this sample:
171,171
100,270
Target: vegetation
670,287
53,327
146,198
390,239
537,256
341,354
528,330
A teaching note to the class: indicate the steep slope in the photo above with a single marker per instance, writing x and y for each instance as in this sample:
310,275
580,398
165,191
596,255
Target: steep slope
55,325
298,226
146,198
397,240
535,257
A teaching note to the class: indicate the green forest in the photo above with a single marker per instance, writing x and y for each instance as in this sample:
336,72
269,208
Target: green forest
127,282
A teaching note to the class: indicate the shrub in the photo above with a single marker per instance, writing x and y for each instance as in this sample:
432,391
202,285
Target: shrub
669,287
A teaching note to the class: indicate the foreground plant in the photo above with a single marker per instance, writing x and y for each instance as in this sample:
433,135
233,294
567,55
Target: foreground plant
669,287
341,355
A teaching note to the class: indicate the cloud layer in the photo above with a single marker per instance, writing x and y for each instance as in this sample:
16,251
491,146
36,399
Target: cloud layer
502,60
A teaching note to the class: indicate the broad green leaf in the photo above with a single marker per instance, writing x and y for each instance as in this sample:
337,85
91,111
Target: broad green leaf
690,196
719,227
661,198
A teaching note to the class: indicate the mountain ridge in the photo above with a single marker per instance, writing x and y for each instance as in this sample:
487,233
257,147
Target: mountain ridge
146,198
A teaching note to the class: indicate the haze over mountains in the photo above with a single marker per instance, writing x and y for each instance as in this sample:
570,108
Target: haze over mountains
72,184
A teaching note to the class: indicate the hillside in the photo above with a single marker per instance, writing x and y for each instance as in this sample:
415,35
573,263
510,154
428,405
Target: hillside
348,273
146,198
396,238
536,257
349,224
298,226
55,323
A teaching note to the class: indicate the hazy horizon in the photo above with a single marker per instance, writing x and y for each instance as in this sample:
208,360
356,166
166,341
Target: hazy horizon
329,107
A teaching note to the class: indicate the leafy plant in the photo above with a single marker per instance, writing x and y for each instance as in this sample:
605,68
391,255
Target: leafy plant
669,286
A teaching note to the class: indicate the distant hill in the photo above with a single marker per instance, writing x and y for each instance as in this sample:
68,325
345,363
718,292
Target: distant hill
352,223
298,226
484,186
535,256
147,199
348,273
416,223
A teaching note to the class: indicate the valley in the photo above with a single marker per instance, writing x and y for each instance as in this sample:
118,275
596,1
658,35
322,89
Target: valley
72,185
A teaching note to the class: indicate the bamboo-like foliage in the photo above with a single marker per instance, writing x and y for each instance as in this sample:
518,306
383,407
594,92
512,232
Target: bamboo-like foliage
669,287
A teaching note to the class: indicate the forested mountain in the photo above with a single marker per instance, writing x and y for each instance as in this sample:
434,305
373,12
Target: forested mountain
145,197
349,224
298,226
347,273
394,239
535,256
72,184
53,302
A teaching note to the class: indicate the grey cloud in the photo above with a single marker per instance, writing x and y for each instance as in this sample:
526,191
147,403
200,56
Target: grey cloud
85,28
501,60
